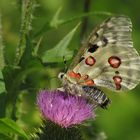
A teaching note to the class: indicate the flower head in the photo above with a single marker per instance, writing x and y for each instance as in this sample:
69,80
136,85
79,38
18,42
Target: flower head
63,109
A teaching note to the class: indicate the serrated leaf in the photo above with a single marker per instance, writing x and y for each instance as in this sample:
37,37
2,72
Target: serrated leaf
9,126
60,50
2,84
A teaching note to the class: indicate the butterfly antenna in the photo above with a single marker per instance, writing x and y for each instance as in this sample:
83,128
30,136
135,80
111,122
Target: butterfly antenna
65,63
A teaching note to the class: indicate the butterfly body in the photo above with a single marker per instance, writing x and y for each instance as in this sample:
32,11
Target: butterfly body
97,96
106,59
92,93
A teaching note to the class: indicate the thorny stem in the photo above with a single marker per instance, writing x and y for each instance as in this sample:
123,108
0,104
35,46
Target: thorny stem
85,19
26,18
27,7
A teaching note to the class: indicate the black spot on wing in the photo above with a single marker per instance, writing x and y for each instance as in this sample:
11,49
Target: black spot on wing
96,34
92,47
107,20
105,40
82,58
117,72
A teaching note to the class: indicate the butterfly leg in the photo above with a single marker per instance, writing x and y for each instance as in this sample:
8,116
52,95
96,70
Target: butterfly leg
61,89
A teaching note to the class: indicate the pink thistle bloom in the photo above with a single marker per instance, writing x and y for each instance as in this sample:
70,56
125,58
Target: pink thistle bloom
63,109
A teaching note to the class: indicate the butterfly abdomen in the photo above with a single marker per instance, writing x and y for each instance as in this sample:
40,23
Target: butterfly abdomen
97,95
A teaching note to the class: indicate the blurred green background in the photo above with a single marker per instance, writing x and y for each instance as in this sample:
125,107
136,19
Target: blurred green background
122,119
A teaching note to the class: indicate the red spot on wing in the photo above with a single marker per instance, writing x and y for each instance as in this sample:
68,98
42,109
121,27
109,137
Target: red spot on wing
73,74
114,61
88,83
117,80
90,61
118,86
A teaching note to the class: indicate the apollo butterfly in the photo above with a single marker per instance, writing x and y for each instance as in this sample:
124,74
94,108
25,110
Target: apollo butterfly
106,59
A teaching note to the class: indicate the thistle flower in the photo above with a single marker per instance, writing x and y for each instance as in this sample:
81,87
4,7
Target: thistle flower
63,109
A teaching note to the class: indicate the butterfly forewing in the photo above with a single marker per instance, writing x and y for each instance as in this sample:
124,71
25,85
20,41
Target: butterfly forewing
108,58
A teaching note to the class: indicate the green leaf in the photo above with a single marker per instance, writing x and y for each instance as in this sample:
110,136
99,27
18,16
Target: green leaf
57,53
101,13
36,48
50,24
9,126
3,137
2,84
55,20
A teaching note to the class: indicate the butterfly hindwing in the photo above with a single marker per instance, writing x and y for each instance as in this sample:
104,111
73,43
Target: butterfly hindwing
108,58
122,69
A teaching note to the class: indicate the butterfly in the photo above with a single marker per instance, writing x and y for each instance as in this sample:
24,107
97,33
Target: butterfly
106,59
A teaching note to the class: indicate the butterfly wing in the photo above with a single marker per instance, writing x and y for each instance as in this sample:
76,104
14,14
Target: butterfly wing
108,58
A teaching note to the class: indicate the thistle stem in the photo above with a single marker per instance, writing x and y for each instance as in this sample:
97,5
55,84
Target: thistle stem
26,19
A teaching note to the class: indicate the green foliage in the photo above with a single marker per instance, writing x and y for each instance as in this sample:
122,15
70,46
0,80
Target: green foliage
4,137
57,53
8,126
56,21
15,78
36,66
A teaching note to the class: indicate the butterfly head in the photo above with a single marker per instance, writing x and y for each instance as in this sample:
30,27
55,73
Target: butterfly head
61,75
